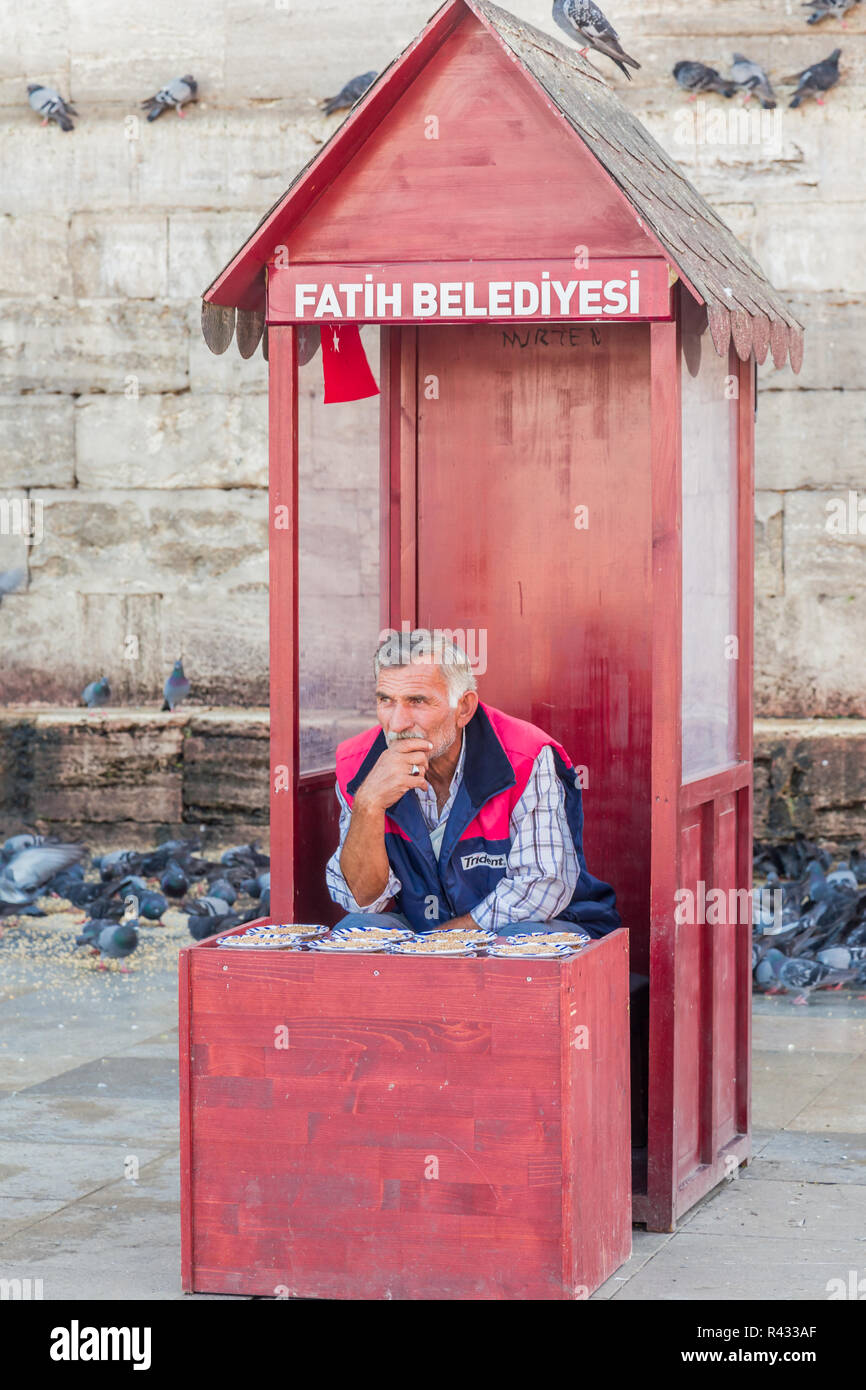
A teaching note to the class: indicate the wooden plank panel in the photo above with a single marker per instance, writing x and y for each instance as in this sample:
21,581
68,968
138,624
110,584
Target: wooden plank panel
283,621
185,1063
666,761
321,1181
727,937
691,947
565,627
317,834
596,1159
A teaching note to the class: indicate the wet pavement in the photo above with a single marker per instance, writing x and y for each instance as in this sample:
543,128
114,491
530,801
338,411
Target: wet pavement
89,1147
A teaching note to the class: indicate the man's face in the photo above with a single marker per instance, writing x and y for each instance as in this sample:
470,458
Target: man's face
412,702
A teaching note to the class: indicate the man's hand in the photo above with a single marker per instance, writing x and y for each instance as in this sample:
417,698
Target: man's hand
364,861
392,775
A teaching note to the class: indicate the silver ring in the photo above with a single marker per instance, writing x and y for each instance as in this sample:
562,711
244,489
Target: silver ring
414,770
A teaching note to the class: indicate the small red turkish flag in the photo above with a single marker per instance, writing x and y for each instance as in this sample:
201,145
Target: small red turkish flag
347,372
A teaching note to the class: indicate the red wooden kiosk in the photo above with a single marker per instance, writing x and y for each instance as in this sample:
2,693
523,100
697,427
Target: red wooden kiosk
579,486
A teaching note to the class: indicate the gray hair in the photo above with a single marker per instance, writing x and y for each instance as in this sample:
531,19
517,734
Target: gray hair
404,648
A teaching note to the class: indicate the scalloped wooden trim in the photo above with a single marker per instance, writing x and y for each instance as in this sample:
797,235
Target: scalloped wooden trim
720,327
741,331
795,347
779,342
251,323
761,337
217,325
309,342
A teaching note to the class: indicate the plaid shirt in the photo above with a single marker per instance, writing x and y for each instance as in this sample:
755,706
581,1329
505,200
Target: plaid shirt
541,872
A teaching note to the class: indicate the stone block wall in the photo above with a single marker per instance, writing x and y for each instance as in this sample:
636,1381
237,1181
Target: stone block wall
147,455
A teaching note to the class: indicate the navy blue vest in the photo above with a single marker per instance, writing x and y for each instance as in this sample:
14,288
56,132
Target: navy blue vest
500,751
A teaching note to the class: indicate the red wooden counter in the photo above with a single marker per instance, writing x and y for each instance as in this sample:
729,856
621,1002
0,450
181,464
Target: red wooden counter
377,1126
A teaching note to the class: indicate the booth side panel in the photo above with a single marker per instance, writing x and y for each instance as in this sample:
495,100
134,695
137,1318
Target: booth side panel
746,627
283,569
184,1068
596,1115
657,1206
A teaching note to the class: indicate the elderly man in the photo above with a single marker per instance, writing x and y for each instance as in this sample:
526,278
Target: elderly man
455,813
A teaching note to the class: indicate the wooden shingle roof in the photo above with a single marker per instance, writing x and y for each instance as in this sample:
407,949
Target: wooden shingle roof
740,301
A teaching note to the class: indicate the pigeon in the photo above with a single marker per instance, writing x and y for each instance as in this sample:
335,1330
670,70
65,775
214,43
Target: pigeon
16,843
348,95
66,879
582,20
157,860
176,687
857,864
820,77
241,855
91,932
821,8
50,105
177,93
24,876
221,888
842,957
118,863
209,916
151,905
116,942
843,877
97,693
174,882
767,970
752,78
697,77
10,580
254,887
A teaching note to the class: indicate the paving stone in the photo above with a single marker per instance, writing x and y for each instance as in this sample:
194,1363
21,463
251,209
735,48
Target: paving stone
775,1208
784,1084
730,1268
812,1158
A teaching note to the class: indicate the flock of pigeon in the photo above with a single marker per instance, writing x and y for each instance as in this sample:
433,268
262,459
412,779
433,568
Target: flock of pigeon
98,693
50,105
809,929
124,891
583,21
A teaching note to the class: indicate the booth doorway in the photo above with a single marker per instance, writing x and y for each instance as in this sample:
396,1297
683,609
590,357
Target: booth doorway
520,477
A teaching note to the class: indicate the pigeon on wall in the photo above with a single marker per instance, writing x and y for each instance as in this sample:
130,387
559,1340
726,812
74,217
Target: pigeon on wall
97,693
10,580
583,21
751,78
49,104
176,687
698,77
820,77
348,95
822,8
177,93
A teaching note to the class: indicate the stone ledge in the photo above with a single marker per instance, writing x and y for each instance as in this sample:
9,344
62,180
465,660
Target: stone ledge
126,776
120,776
810,776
